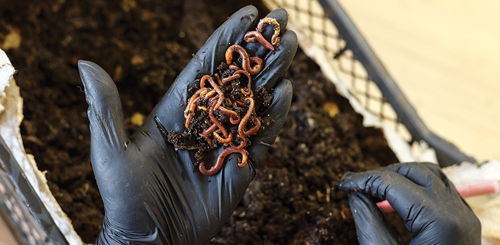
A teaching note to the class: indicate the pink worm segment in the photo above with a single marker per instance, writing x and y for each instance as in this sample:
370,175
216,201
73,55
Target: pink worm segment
477,189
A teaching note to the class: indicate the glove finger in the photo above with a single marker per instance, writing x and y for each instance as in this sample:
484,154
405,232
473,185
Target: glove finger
427,175
371,227
206,60
416,172
256,49
437,171
275,114
450,187
399,191
278,62
105,113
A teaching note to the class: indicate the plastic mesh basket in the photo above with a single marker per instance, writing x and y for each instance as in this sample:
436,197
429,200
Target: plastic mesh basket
18,199
328,35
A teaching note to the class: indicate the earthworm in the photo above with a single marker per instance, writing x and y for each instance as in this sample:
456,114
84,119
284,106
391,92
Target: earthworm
212,116
222,140
190,110
218,78
254,129
239,103
244,120
186,112
234,118
258,67
203,80
247,93
249,80
231,78
244,153
216,87
342,213
209,130
236,75
209,141
255,36
233,67
260,27
206,134
210,94
245,59
220,160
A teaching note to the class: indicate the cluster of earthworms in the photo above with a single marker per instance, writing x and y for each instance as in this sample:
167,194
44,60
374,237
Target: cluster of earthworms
225,95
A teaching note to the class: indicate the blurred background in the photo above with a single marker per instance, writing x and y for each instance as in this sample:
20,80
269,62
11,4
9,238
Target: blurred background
445,56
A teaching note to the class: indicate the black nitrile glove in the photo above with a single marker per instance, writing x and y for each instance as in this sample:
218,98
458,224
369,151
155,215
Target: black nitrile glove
153,194
431,207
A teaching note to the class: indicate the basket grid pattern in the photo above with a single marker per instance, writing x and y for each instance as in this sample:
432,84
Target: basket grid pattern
308,18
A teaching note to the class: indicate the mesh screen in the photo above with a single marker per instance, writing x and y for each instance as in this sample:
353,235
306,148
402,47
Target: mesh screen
316,30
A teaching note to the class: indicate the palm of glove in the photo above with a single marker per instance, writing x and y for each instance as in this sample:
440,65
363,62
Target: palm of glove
153,194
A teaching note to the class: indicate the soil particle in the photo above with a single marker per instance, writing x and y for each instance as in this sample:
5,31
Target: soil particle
265,98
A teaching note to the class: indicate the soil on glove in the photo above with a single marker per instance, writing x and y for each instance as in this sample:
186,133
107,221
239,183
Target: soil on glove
198,133
144,44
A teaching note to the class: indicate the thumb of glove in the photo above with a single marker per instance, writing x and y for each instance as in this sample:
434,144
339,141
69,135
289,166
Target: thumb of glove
107,129
371,227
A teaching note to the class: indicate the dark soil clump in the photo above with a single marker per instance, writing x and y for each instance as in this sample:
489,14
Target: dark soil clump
143,46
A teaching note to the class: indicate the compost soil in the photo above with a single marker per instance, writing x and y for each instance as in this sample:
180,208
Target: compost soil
144,44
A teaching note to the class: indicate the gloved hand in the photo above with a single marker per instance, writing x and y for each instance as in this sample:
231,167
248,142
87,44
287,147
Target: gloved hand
431,207
154,195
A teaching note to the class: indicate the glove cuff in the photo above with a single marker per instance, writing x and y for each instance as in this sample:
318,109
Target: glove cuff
113,234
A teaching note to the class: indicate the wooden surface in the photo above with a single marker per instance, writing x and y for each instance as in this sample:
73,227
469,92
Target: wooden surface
445,56
6,237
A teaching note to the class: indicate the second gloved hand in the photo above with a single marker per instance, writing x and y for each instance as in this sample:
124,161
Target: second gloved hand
431,207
